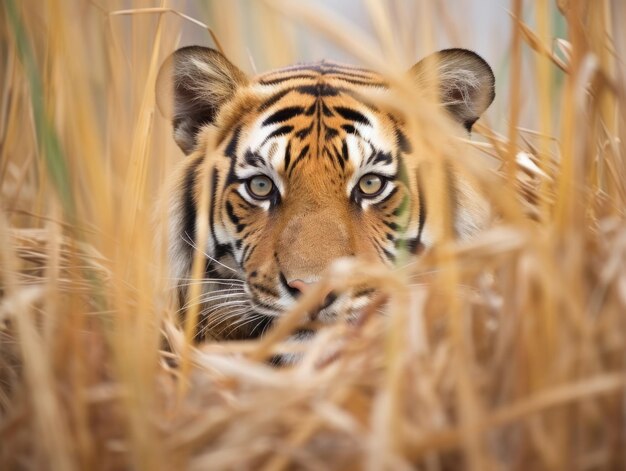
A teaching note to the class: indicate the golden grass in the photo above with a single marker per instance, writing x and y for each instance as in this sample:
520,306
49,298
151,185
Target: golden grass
506,352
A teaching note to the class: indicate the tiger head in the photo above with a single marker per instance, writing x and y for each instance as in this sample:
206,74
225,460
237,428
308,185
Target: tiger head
301,167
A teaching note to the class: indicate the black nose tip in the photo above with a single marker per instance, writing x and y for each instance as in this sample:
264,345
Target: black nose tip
297,287
292,290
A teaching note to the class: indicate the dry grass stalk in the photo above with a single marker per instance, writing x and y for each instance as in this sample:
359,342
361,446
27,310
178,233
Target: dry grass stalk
504,352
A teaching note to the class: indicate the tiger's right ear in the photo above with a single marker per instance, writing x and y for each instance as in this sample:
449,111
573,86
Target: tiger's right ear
464,80
192,85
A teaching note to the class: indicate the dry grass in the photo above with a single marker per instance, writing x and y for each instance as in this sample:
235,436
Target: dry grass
507,352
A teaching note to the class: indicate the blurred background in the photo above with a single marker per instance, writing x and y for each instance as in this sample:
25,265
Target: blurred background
510,354
258,37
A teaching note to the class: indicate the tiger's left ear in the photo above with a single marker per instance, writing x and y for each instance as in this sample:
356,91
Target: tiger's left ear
465,82
193,85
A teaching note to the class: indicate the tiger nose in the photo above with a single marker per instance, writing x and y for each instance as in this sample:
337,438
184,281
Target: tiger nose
302,287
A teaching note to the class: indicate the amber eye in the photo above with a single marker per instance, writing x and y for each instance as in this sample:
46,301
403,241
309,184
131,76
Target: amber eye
260,186
371,185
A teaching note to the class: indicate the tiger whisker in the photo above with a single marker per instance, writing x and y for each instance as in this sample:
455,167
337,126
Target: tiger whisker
214,296
225,317
195,247
265,328
214,306
224,304
218,310
261,309
239,323
245,321
202,280
203,298
210,326
214,316
261,318
210,305
201,283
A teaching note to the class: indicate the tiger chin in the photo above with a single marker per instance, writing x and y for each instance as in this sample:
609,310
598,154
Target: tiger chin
301,167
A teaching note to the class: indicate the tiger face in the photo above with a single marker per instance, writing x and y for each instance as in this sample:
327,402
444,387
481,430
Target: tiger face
301,168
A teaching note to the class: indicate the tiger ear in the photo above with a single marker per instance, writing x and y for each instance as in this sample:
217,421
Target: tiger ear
192,85
465,82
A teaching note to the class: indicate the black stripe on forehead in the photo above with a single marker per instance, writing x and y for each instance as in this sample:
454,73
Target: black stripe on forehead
318,90
330,134
349,129
275,98
278,132
304,132
283,114
352,115
380,157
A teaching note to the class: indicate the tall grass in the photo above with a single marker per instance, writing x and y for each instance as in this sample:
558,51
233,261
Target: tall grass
505,352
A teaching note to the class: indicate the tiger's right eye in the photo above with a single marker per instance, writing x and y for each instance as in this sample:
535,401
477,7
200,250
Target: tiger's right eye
260,186
371,185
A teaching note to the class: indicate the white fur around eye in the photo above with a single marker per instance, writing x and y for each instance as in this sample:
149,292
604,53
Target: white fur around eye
367,202
359,153
245,194
271,154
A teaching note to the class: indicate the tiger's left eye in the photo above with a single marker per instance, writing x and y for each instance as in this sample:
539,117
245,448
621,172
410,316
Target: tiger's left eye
371,185
260,186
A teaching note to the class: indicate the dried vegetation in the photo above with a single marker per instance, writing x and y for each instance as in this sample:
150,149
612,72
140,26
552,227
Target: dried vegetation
507,352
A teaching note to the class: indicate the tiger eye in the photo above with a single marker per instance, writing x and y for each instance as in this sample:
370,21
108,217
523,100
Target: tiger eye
370,184
260,186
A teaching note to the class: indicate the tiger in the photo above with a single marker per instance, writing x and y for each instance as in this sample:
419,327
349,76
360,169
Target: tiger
302,166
